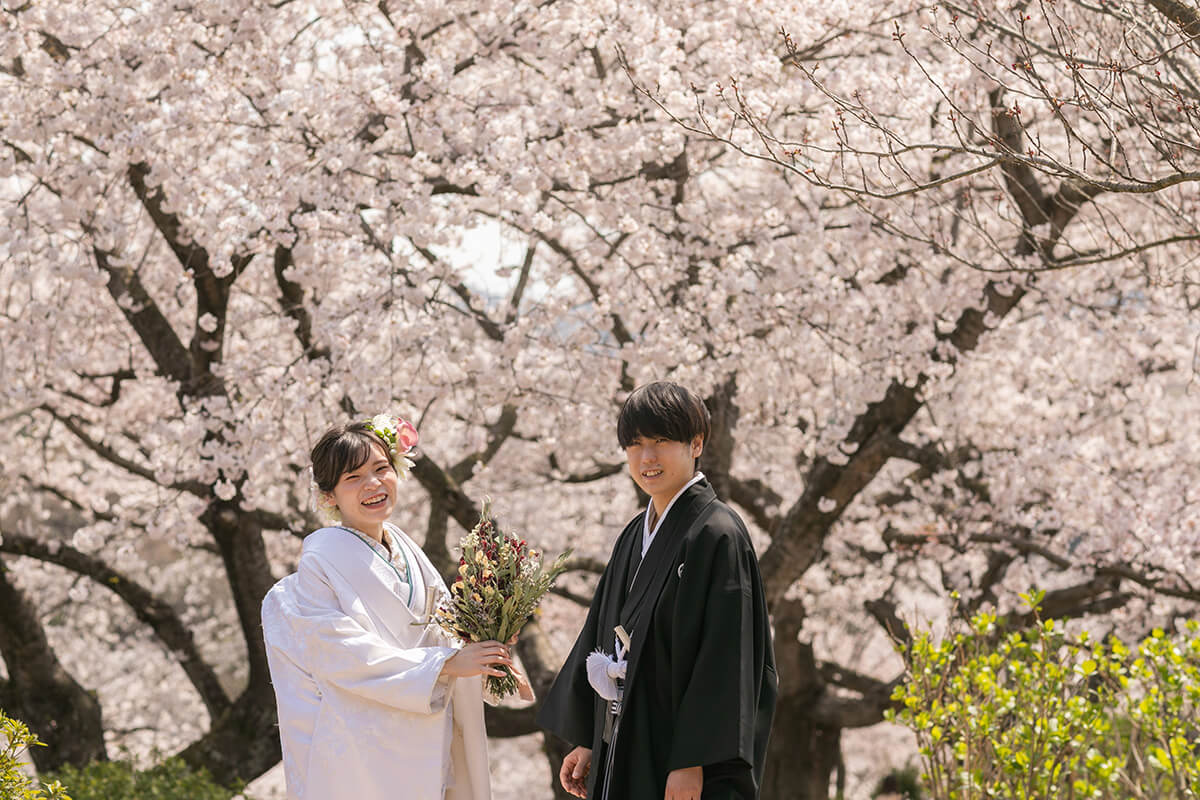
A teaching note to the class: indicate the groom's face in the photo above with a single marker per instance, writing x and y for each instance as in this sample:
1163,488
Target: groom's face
660,466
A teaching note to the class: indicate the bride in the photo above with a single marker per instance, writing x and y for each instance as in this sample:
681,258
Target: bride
373,704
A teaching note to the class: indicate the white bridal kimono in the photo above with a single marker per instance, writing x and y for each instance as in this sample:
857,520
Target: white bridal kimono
363,713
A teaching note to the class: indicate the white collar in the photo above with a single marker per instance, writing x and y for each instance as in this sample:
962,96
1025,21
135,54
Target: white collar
647,534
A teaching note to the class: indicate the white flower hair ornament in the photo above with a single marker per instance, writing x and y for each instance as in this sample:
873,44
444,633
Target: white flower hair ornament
401,438
322,502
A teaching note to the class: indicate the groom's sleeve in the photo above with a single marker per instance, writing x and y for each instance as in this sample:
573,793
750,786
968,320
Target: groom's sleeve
569,708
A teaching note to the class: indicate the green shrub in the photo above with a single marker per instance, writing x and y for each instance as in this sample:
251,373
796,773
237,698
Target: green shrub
15,784
118,780
1043,714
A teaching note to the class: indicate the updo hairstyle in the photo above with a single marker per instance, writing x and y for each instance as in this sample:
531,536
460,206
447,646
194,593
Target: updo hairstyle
344,449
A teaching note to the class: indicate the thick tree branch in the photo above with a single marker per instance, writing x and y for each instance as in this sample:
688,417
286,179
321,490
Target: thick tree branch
212,291
873,439
1156,585
438,481
113,457
1020,180
1097,595
884,612
1022,543
155,613
274,521
873,697
40,691
1186,16
191,255
436,548
601,472
716,460
574,597
758,500
505,722
146,319
498,433
291,300
586,564
829,488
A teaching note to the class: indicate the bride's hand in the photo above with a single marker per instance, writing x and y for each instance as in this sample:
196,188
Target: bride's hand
524,689
477,658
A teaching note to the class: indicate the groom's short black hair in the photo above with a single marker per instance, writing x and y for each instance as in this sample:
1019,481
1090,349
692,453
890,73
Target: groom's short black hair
662,409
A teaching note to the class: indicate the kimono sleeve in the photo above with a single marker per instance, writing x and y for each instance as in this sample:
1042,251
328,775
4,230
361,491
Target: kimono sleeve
719,653
570,706
306,625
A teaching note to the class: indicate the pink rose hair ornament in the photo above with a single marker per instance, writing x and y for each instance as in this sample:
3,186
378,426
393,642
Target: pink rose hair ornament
401,438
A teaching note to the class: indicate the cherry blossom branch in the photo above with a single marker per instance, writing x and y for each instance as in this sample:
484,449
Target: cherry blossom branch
116,377
787,159
1022,542
1088,260
619,330
514,302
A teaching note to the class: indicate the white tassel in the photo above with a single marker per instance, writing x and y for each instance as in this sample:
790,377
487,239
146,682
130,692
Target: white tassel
603,671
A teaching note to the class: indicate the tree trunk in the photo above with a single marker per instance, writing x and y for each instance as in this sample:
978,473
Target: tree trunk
243,742
802,755
804,751
542,664
40,693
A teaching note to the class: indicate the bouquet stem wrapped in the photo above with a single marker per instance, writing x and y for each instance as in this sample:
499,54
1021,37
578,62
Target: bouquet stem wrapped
500,582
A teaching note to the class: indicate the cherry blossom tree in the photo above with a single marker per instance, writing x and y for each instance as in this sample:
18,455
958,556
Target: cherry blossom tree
932,270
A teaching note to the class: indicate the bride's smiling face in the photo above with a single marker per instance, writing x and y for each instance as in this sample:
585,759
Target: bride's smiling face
366,496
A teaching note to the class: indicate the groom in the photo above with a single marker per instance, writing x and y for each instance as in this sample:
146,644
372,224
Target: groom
670,688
